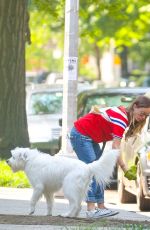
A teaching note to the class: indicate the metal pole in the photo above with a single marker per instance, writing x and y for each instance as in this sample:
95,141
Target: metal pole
70,73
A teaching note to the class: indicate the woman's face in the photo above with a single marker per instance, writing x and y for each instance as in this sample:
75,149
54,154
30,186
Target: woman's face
140,114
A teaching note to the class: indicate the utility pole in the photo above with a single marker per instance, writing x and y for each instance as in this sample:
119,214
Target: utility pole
70,73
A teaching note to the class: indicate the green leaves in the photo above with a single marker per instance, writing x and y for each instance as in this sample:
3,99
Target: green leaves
126,22
10,179
131,173
48,6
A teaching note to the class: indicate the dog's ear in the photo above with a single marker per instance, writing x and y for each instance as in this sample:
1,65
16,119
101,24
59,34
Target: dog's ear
12,152
23,156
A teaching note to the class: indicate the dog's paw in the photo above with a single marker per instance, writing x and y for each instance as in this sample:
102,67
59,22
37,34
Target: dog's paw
31,212
64,215
67,215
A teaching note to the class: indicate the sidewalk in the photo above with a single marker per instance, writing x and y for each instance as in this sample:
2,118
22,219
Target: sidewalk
16,202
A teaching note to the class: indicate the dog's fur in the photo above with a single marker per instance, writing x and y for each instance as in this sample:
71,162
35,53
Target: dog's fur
47,174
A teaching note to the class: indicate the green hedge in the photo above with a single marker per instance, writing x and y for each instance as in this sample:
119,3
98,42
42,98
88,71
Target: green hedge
10,179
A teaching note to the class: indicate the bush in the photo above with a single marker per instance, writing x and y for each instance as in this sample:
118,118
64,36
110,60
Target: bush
10,179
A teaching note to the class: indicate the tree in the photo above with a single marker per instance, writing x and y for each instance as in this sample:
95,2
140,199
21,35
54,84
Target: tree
126,22
14,31
45,38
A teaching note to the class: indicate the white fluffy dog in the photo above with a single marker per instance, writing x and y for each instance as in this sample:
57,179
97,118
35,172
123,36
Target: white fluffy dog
47,174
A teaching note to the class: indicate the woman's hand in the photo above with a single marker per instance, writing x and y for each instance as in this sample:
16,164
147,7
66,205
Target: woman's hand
122,164
116,145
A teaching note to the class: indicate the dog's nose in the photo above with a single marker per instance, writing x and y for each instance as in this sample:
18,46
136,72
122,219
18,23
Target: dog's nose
7,161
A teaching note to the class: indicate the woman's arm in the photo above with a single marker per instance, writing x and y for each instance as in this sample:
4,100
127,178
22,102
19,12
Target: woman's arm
116,145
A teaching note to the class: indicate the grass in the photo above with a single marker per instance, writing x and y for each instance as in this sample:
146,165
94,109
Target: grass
10,179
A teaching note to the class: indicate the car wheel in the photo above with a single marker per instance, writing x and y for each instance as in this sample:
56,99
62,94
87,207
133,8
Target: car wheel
124,196
142,202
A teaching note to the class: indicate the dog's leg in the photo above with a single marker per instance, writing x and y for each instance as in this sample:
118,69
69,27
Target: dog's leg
74,192
74,208
37,193
49,200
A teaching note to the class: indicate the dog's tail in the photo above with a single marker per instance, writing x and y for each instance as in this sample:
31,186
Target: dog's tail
103,168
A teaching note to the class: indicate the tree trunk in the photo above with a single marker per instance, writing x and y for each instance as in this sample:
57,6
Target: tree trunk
13,122
124,62
98,57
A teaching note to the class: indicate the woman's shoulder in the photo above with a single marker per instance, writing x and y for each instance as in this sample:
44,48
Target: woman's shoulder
118,112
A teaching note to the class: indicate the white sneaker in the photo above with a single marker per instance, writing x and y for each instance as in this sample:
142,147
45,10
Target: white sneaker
101,212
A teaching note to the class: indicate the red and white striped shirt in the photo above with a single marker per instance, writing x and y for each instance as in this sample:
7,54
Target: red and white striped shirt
110,123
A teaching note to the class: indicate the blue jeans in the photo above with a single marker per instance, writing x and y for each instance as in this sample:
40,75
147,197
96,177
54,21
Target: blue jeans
88,151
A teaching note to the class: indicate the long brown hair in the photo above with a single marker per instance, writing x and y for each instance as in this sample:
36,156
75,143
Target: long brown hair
134,126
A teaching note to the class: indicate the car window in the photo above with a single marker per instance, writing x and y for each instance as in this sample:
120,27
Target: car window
93,100
116,100
106,100
45,103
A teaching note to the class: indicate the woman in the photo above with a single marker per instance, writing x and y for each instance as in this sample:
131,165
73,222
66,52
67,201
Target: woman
102,125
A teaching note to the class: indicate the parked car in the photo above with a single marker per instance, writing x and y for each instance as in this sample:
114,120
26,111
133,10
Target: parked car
107,97
136,151
34,77
44,109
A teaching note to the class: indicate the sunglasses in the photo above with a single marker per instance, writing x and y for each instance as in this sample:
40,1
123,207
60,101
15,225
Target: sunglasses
143,114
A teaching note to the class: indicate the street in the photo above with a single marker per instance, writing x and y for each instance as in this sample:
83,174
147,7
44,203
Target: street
16,201
111,198
14,210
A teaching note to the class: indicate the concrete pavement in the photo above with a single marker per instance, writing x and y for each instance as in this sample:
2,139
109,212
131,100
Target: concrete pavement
16,202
